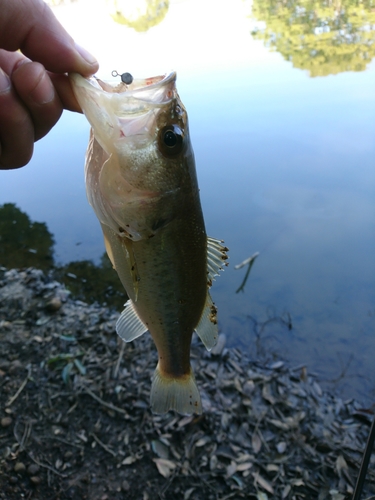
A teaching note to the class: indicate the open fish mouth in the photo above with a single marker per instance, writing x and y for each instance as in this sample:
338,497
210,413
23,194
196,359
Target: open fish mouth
156,86
141,92
122,110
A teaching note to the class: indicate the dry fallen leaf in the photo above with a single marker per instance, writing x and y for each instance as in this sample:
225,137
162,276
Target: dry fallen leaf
244,466
267,395
165,467
335,495
286,491
297,482
263,483
231,469
341,465
256,442
272,468
188,493
202,441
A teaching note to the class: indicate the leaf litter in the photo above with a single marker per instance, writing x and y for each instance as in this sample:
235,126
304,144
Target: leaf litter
75,419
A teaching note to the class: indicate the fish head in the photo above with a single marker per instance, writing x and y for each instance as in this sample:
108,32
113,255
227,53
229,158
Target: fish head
140,152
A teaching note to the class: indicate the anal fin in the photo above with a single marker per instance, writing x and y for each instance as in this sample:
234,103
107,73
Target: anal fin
129,326
207,329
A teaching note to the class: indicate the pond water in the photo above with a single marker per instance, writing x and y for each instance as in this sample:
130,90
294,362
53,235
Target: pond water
282,113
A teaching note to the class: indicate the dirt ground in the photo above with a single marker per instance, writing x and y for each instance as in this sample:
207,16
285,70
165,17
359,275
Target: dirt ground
75,421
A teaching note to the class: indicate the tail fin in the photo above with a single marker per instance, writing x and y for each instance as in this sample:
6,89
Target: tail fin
180,394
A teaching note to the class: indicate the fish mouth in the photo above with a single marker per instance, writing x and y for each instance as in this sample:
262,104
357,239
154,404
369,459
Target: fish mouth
156,89
128,108
142,92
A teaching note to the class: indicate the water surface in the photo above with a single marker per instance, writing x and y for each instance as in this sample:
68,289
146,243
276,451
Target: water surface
285,164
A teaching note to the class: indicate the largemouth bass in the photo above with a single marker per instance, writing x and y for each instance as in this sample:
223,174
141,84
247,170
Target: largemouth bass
141,182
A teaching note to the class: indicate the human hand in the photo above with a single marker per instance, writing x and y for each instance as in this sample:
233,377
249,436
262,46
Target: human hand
34,87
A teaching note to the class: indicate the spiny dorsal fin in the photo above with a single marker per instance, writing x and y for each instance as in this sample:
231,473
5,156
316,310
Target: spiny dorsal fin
207,329
216,258
129,326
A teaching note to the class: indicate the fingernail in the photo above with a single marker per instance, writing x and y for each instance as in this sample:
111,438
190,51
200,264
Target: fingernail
4,82
89,58
44,92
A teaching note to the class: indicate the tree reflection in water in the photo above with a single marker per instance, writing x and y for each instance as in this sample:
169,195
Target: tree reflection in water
325,37
24,243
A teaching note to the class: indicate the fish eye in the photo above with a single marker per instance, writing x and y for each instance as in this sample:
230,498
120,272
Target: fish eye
171,140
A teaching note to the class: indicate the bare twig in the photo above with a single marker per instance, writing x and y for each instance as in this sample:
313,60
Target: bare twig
26,433
99,400
249,261
104,446
45,466
21,388
117,368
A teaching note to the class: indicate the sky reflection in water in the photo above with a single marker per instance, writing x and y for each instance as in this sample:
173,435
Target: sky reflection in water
285,165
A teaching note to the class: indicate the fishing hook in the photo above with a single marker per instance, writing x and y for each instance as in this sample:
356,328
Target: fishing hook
126,78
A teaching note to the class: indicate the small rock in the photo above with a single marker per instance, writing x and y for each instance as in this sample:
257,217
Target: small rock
281,447
6,421
4,364
125,486
33,469
19,467
15,366
35,479
13,479
54,304
248,388
218,348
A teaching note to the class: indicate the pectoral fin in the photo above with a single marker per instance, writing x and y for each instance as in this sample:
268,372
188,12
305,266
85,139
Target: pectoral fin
207,329
129,326
216,258
109,251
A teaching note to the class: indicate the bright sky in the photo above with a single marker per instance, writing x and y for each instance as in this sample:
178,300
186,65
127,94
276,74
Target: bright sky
195,35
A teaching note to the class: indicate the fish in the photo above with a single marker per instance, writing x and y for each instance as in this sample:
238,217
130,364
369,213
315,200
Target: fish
141,182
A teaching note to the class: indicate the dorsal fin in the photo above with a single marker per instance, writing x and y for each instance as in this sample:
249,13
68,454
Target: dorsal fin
129,326
207,329
216,258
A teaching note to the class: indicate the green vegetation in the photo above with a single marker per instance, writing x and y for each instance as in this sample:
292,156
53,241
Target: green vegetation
324,37
141,15
68,364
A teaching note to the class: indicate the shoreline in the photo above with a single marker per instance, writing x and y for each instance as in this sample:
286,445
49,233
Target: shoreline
75,411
